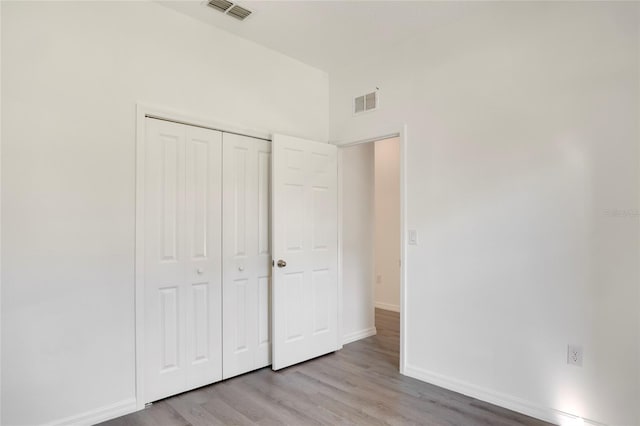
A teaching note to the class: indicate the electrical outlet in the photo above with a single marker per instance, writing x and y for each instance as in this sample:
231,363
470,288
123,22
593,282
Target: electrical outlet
574,355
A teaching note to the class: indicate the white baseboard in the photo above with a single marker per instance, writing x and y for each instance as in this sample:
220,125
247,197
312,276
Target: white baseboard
99,414
387,306
500,399
357,335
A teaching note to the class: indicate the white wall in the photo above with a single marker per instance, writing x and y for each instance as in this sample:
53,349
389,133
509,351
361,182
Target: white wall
71,75
522,140
0,216
357,254
387,224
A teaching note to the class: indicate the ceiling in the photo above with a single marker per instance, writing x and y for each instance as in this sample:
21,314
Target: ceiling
328,34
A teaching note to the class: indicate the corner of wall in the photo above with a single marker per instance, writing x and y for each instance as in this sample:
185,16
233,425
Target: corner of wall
357,335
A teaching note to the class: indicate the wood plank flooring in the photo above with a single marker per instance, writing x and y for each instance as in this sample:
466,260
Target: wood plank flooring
358,385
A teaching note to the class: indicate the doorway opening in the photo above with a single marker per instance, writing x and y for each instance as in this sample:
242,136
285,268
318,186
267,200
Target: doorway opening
371,228
387,263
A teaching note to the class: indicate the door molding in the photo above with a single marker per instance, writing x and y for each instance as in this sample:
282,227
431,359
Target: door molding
144,111
399,131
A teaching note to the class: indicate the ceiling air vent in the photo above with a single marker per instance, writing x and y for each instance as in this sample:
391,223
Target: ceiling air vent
221,5
239,12
364,103
230,9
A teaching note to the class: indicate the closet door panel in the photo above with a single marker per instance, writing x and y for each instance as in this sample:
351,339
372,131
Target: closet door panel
204,260
246,257
182,208
165,247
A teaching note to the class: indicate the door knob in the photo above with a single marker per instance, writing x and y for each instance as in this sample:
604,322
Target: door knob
281,263
199,271
240,268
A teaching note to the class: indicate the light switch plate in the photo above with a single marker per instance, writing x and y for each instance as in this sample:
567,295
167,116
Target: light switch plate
413,237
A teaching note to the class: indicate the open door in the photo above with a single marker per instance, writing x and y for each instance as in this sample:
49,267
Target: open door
304,249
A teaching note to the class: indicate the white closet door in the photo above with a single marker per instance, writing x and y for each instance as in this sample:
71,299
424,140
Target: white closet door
246,254
305,249
182,258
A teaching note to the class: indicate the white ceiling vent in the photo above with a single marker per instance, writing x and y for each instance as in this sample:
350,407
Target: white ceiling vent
364,103
230,9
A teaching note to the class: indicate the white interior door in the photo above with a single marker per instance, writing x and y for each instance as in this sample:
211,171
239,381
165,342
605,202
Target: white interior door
246,254
182,347
305,249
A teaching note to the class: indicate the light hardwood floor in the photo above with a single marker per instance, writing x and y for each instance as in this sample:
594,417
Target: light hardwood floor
358,385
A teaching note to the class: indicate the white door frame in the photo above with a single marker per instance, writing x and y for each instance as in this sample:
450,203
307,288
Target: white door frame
143,111
399,131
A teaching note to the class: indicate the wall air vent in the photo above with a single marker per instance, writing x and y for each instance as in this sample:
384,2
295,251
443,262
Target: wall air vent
364,103
230,9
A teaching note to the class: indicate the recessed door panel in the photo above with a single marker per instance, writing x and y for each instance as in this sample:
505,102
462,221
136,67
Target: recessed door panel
199,205
240,307
170,196
201,309
294,198
321,300
294,288
294,158
321,204
240,200
168,322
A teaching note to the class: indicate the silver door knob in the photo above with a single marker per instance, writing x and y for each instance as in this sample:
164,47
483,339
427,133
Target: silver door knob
199,271
281,263
240,268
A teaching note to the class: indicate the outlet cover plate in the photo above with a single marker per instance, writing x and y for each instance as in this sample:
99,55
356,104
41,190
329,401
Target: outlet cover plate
574,355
